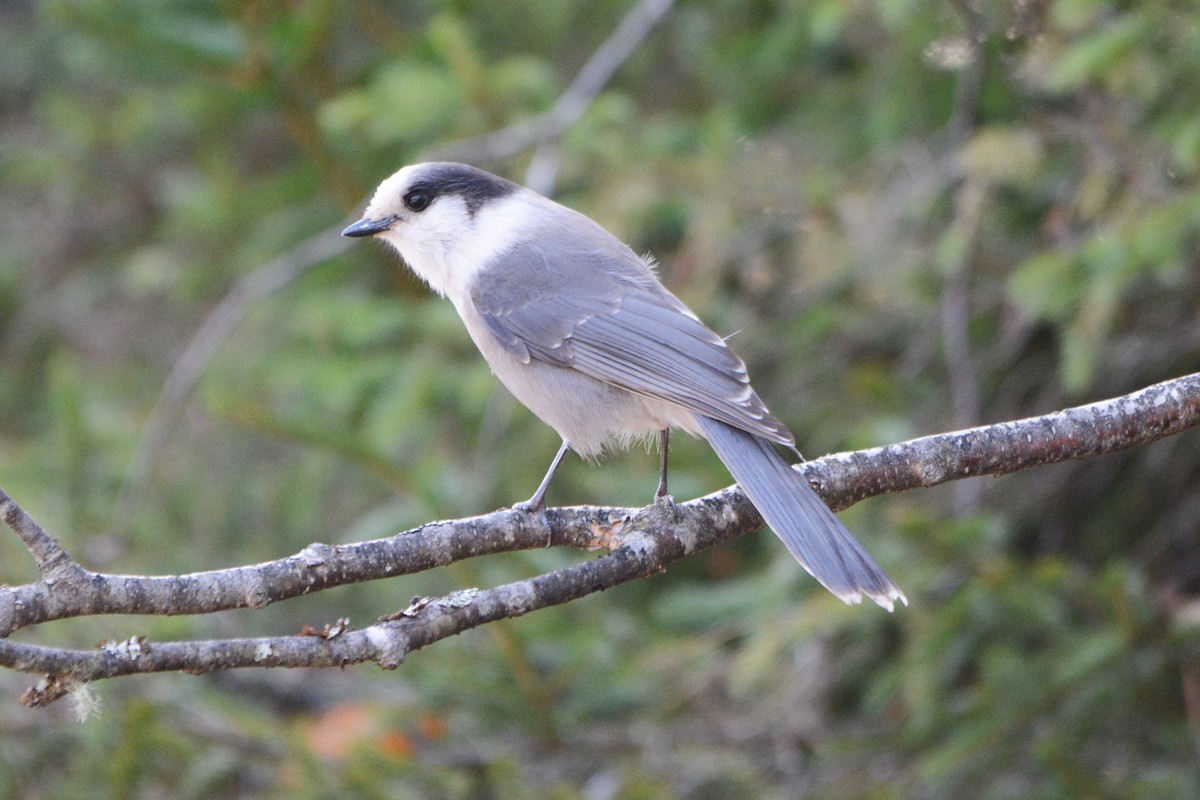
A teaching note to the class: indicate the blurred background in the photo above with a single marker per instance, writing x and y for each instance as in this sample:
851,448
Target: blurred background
917,216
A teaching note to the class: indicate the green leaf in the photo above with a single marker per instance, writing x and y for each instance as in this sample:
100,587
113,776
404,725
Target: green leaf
1048,285
1100,53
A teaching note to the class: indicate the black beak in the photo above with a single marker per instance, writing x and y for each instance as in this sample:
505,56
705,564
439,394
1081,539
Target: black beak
369,227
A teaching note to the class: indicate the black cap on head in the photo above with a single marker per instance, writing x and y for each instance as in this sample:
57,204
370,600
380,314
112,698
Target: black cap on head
473,185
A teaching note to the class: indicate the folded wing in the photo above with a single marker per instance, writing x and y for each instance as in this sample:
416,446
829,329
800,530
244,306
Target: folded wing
607,316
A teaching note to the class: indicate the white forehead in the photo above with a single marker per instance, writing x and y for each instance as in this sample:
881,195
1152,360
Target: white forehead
388,196
449,242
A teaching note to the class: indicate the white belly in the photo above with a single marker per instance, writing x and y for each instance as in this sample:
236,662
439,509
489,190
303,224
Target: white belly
588,414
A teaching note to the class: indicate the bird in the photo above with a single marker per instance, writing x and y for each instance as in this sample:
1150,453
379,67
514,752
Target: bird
580,330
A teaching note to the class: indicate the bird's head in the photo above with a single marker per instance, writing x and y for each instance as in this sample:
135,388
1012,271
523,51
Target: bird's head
446,220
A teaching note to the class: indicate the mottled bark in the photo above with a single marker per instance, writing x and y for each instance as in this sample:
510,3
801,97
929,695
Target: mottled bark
640,542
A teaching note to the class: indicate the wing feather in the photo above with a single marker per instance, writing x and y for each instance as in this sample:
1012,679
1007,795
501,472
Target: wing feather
609,318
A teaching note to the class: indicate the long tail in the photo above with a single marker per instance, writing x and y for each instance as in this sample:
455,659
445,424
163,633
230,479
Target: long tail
818,540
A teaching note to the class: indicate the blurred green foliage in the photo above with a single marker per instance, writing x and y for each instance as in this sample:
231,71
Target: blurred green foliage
912,233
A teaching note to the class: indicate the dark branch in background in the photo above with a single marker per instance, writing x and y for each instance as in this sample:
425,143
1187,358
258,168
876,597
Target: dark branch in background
970,198
542,172
570,107
543,130
640,543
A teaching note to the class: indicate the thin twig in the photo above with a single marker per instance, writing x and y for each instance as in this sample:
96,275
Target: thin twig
572,104
47,553
1144,416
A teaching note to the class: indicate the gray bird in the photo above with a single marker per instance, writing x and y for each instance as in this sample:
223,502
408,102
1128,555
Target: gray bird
580,330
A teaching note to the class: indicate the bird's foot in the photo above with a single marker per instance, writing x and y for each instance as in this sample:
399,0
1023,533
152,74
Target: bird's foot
530,506
537,505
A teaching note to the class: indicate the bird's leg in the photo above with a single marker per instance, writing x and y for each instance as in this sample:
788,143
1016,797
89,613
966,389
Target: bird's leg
538,501
661,496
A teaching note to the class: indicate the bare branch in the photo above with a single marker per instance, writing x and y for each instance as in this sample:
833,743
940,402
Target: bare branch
1076,433
640,543
317,567
572,104
386,643
50,557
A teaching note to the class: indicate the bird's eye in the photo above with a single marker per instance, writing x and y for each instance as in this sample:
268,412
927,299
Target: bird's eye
417,201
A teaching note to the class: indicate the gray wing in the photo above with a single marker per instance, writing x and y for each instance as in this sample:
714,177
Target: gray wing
609,317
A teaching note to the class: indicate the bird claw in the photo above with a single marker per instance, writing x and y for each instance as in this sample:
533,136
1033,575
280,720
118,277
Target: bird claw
530,506
536,505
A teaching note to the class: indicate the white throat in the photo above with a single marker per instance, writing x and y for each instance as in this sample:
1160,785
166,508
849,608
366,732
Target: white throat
447,246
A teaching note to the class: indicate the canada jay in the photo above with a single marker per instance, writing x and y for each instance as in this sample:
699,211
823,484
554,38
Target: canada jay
580,330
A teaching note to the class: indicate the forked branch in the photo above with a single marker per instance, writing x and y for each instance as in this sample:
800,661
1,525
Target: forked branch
640,542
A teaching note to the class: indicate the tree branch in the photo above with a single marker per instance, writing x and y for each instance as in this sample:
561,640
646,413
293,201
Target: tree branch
47,553
571,105
970,198
640,542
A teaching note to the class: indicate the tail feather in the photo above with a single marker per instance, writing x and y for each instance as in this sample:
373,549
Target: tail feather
809,529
